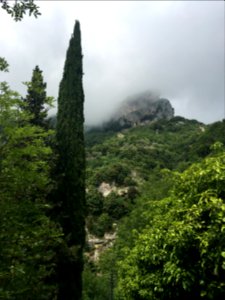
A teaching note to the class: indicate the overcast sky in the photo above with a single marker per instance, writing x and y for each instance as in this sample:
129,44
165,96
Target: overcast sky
174,47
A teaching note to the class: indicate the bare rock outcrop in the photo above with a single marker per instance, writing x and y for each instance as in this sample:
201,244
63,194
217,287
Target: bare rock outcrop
140,108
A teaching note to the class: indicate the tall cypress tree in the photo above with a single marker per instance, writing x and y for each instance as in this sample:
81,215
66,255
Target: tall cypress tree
71,170
36,98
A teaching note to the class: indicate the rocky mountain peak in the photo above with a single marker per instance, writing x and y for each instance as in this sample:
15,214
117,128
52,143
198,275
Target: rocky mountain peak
141,108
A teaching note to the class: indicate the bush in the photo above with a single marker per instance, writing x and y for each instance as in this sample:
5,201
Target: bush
115,206
94,201
116,173
99,225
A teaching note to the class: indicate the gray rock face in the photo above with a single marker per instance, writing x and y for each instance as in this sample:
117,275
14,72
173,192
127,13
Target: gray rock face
141,108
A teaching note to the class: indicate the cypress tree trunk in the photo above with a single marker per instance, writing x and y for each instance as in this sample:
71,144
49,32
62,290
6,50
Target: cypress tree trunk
71,170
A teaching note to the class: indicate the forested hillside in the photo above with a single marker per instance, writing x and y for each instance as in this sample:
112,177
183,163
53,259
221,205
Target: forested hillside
136,176
133,160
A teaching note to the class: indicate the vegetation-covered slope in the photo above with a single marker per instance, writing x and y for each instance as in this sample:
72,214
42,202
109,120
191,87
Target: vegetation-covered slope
136,156
137,159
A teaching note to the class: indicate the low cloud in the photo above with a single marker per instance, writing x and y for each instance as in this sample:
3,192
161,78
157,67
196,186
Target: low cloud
174,47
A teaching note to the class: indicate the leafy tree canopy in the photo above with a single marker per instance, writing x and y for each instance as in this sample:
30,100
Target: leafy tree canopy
28,238
180,254
18,8
4,65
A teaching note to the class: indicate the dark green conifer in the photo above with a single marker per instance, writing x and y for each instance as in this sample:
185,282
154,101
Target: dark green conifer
36,98
71,170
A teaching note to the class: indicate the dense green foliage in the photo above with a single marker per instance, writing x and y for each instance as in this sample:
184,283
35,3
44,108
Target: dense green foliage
180,252
143,156
37,99
162,144
134,158
28,238
96,287
70,195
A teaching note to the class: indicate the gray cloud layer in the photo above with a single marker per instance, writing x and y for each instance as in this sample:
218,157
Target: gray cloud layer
176,48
